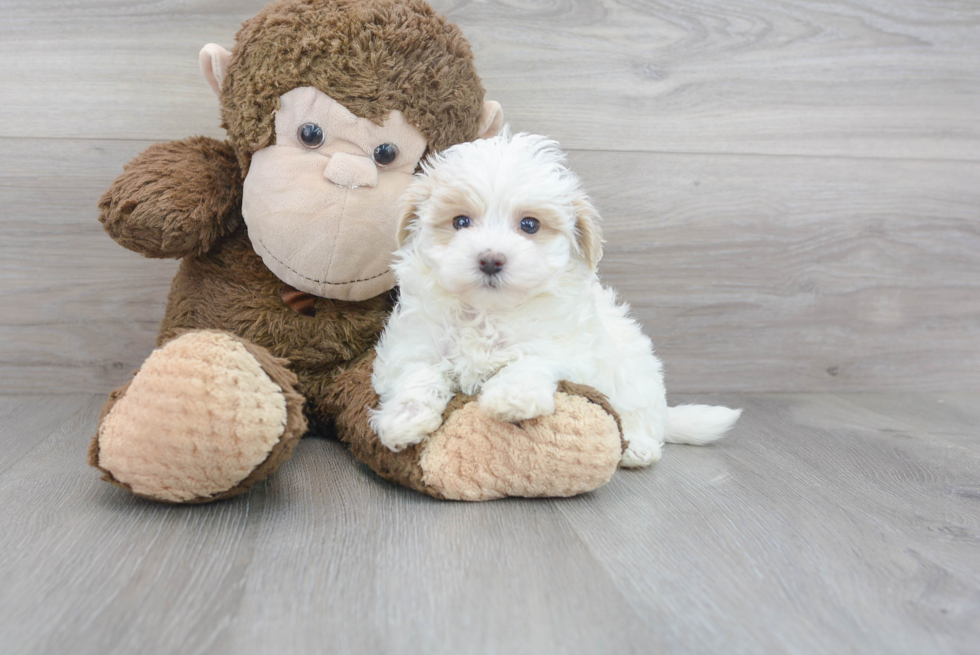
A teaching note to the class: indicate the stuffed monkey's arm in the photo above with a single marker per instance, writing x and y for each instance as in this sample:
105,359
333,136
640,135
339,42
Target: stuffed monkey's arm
175,199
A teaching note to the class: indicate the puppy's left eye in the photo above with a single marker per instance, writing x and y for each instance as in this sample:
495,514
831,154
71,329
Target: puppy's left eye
530,225
461,222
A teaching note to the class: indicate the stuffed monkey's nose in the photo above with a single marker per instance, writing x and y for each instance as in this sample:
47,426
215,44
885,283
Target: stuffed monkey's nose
351,171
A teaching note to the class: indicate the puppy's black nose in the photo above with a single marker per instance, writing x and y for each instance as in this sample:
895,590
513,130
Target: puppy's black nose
491,262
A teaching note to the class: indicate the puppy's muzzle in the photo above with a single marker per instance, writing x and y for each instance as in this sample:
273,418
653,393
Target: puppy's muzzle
491,262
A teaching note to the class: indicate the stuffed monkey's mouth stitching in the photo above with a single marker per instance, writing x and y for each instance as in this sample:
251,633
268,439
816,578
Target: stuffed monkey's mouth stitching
313,279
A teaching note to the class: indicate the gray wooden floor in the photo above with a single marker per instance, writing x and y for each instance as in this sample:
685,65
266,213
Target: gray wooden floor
791,195
790,189
825,524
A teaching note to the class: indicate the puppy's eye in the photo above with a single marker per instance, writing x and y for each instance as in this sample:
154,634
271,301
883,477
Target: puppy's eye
310,135
462,222
530,225
385,154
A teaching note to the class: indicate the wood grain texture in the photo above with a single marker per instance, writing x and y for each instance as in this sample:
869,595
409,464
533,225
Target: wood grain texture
825,523
816,508
786,273
820,233
791,202
750,273
77,311
26,421
851,78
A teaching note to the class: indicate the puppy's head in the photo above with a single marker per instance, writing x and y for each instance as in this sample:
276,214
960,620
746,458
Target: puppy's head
499,220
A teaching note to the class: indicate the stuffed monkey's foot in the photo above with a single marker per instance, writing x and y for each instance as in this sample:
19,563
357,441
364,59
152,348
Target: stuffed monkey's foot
474,457
575,449
206,417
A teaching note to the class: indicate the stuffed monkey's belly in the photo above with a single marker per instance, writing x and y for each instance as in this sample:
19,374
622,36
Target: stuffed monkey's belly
231,289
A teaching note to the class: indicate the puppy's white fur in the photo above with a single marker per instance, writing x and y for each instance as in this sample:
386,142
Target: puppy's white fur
511,336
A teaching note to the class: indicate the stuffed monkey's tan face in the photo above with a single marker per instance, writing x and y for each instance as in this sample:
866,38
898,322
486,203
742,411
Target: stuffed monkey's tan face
321,204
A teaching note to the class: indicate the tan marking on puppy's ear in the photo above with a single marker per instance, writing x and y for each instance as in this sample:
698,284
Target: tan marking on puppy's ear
492,119
214,64
588,235
409,204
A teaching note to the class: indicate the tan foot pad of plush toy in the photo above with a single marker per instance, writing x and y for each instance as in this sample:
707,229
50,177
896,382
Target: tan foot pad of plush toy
206,417
472,457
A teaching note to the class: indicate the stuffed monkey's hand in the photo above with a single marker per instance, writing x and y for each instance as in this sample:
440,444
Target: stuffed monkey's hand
175,199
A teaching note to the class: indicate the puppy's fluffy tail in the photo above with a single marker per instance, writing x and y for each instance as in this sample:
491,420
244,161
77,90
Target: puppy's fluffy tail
699,424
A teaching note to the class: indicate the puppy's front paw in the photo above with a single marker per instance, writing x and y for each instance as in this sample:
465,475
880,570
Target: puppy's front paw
400,424
641,453
516,402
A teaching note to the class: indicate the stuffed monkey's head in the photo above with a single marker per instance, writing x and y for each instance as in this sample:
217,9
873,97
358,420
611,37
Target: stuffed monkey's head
330,105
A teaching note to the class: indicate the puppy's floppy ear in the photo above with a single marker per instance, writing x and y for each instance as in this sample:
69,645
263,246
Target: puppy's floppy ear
409,203
588,235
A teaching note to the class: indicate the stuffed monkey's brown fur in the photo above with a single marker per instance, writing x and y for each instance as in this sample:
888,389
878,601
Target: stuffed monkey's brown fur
183,199
406,57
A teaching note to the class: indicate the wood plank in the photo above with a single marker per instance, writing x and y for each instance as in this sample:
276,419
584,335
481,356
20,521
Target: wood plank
816,527
751,273
56,262
797,539
789,274
388,571
26,421
852,78
77,312
121,574
954,417
90,570
77,357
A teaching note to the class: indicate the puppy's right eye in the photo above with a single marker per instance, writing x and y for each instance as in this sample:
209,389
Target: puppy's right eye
310,135
462,222
530,224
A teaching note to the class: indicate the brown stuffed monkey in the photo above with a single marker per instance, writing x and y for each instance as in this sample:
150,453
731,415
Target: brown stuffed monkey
285,233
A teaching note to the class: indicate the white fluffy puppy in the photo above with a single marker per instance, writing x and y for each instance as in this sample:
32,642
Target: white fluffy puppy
496,266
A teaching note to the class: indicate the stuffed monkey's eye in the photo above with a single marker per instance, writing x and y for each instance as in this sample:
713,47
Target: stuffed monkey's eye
310,135
462,222
385,154
530,225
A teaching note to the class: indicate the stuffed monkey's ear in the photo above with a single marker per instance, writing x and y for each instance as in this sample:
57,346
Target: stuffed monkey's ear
588,235
409,205
491,120
214,64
